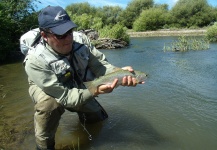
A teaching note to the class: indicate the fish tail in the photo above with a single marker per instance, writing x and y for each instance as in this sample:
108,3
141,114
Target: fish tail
90,86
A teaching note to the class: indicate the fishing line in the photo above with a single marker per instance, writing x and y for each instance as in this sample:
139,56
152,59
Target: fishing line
85,129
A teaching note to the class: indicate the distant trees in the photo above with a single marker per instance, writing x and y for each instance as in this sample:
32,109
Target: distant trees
192,13
106,15
81,8
86,21
133,10
110,14
152,19
93,17
143,15
105,20
18,16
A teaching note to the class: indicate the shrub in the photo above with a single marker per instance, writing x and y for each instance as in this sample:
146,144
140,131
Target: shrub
86,21
151,19
116,32
211,33
187,43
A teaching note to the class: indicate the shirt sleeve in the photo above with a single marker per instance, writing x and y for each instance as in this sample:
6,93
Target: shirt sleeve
46,79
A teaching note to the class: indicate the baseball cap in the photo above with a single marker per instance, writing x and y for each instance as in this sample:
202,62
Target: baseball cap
56,19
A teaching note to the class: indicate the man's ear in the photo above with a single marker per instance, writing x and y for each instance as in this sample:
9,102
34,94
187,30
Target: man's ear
44,35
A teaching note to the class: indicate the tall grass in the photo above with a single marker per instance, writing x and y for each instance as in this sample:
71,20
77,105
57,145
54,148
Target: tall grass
184,44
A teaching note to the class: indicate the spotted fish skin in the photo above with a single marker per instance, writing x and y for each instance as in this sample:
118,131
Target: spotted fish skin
109,79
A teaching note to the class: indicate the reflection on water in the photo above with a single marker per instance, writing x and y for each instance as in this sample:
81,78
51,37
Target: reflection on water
175,109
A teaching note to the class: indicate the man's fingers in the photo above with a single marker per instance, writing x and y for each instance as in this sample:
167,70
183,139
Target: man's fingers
129,80
134,81
124,81
129,68
114,83
102,89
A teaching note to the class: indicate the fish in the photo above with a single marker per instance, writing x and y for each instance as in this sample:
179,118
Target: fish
110,77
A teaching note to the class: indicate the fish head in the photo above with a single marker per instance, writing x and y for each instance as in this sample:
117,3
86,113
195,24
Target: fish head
140,76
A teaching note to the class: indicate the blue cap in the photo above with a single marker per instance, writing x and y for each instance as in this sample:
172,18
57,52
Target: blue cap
56,19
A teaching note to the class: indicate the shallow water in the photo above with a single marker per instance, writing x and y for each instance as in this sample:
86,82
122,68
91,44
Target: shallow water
175,109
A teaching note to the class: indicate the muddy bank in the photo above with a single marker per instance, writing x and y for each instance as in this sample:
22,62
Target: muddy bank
183,32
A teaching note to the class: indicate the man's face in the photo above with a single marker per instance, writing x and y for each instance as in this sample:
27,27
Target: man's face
60,43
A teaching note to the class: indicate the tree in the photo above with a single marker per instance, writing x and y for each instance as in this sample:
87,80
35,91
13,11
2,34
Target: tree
16,17
152,19
110,14
211,33
81,8
86,21
193,13
133,10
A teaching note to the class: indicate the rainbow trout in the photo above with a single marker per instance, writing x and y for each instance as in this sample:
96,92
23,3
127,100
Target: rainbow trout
109,78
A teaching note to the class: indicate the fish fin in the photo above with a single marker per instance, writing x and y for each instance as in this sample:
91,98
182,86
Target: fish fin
116,69
90,86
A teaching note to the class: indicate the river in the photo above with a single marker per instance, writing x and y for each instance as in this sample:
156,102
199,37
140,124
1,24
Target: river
175,109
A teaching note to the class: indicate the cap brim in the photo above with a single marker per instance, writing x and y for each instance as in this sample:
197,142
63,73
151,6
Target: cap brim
63,28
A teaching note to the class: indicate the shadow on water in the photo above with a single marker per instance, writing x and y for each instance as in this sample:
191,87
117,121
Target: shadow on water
117,132
121,129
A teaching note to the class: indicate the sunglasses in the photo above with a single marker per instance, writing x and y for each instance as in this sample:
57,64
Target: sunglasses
60,37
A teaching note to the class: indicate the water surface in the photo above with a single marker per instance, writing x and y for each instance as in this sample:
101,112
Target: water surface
175,109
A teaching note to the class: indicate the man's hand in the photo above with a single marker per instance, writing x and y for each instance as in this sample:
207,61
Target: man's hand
128,80
102,89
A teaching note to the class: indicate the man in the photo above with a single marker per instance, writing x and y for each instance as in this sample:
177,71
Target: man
57,67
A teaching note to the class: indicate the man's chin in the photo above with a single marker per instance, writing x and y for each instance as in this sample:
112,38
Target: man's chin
67,52
67,44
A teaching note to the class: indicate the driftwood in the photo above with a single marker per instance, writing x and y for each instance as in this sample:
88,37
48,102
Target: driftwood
92,34
104,43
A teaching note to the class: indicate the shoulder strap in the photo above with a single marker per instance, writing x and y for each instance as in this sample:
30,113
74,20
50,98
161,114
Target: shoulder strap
36,40
29,39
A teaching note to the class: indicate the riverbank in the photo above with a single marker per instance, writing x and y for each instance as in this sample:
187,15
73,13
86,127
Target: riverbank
181,32
17,55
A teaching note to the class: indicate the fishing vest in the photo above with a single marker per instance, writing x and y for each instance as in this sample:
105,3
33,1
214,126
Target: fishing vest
67,70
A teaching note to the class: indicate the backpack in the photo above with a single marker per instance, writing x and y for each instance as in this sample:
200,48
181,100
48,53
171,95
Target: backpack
29,40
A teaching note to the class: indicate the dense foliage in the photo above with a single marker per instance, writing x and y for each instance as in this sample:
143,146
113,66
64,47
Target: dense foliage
115,32
133,10
86,21
152,19
211,33
18,16
143,15
193,13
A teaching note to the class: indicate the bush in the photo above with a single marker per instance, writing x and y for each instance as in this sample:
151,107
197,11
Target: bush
151,19
116,32
211,33
184,43
86,21
16,18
